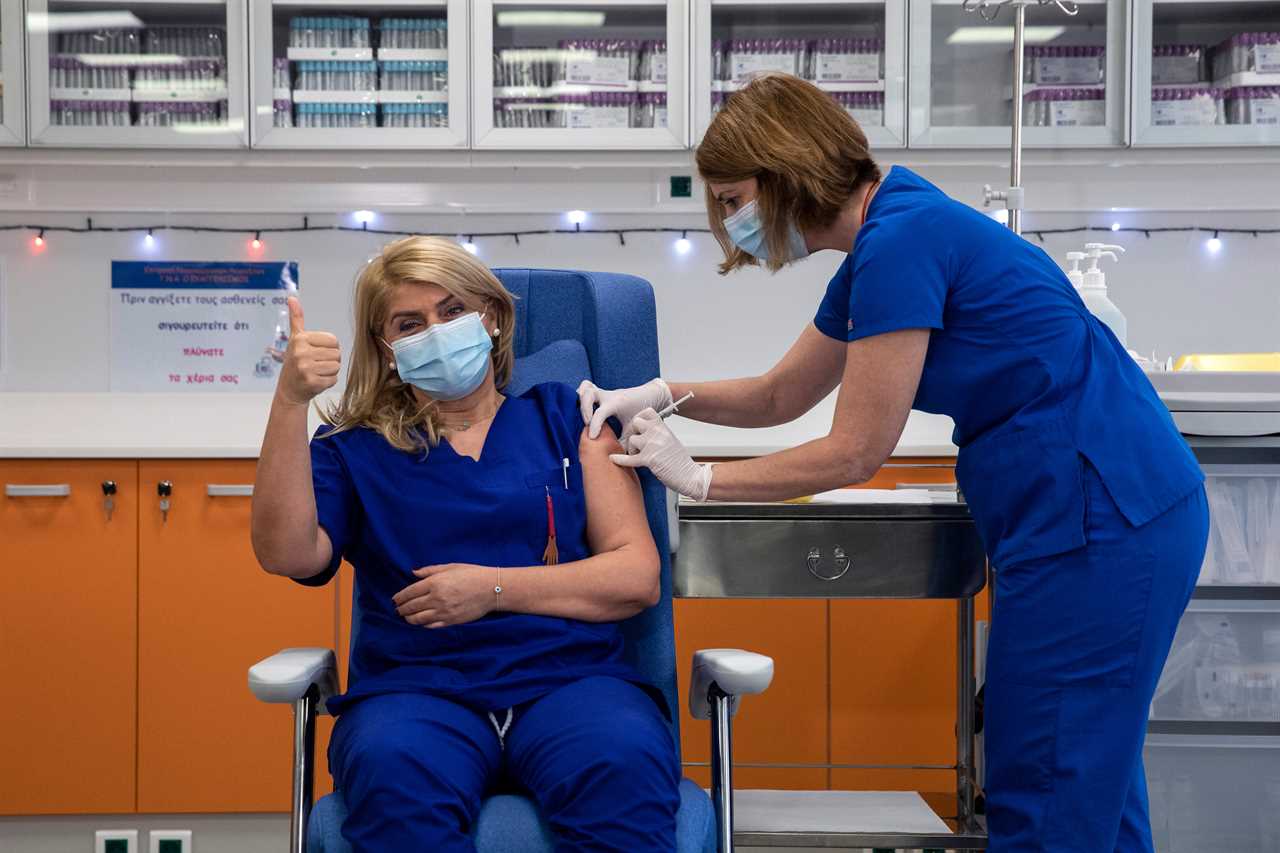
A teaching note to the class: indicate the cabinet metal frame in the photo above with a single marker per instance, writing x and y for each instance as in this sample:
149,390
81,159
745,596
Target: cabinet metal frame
266,135
923,134
673,137
1143,133
44,133
893,134
13,119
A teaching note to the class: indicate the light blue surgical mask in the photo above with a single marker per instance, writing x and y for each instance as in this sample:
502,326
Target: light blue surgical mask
747,233
448,360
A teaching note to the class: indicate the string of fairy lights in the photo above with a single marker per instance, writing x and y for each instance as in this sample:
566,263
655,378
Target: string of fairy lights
365,224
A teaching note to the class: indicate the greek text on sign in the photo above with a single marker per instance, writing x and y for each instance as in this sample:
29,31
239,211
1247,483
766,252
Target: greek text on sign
198,326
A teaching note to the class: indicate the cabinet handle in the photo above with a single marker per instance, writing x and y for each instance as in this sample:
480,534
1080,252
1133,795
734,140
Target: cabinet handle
53,490
814,562
216,490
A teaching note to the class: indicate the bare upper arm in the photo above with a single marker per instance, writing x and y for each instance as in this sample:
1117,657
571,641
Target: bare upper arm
808,372
615,505
881,376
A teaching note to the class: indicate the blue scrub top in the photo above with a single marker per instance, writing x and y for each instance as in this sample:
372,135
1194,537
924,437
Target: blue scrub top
389,512
1037,386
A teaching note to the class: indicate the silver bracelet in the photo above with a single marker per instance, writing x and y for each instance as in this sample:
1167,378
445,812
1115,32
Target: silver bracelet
497,590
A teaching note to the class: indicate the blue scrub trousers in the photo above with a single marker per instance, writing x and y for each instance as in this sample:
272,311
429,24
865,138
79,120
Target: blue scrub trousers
1078,641
596,755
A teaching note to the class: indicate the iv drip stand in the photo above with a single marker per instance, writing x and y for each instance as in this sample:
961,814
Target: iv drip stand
1013,196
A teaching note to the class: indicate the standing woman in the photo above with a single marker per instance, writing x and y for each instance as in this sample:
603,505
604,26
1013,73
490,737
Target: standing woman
1090,504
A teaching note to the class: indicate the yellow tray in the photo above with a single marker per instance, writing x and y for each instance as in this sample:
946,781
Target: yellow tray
1251,362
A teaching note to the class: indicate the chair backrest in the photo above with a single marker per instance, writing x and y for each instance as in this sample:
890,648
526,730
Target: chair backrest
572,326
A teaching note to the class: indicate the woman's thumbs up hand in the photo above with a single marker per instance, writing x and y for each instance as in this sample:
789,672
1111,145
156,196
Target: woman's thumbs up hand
311,363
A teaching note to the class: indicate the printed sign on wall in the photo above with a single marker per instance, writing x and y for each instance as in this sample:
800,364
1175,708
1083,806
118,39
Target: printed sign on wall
191,326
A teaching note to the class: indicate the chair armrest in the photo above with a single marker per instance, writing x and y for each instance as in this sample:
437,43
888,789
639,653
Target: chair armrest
734,671
287,675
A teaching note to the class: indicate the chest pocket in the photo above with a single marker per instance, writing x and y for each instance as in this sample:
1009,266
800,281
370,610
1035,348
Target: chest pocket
569,506
550,478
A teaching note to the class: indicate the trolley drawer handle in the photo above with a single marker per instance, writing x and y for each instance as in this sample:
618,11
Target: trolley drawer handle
216,490
53,490
814,561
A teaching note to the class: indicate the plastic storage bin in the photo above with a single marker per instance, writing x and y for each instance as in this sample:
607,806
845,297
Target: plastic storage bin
1184,106
1214,794
1224,665
1178,64
1244,527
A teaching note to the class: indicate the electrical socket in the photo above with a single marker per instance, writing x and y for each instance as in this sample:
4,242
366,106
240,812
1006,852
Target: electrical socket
115,841
170,841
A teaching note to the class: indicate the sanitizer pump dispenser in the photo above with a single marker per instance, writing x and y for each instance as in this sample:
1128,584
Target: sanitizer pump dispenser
1074,275
1093,290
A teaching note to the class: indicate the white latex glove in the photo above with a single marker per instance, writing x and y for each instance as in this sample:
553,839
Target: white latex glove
625,404
654,446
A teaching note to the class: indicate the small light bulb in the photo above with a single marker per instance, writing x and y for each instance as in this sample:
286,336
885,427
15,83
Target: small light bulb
683,246
1213,244
364,217
39,241
256,243
1115,226
1001,215
577,217
471,247
149,240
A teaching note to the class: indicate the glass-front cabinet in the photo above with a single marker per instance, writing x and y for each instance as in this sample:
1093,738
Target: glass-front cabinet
1074,80
12,88
359,73
136,73
1206,72
578,74
853,49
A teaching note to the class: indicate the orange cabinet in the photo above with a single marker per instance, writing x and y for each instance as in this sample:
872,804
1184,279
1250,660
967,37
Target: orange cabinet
206,612
68,637
787,724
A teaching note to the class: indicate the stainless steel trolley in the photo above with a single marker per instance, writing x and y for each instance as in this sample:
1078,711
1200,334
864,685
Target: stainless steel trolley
868,551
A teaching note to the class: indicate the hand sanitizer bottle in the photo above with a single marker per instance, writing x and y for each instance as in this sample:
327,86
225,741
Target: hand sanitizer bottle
1093,290
1074,275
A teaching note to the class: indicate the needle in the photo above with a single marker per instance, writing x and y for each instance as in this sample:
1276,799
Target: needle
675,407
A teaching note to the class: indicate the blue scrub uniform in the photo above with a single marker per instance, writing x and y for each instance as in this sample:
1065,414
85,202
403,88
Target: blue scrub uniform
1090,504
415,749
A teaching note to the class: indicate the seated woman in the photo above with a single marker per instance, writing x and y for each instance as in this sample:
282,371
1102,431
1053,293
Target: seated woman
495,548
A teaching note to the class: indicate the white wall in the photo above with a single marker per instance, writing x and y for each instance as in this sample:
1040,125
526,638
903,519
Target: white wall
1178,296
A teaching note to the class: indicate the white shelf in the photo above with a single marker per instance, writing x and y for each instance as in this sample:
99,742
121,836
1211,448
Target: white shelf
1247,78
356,4
412,97
324,54
161,95
335,96
402,54
90,94
560,89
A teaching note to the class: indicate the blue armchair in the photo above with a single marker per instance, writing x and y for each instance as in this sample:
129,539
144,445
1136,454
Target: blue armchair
570,326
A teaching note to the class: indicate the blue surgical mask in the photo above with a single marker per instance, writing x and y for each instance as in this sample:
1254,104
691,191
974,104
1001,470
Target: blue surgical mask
747,233
448,360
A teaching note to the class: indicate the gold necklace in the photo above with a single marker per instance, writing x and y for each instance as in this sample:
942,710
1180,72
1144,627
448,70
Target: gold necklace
466,425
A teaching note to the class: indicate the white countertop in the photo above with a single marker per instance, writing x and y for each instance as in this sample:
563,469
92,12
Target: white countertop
230,426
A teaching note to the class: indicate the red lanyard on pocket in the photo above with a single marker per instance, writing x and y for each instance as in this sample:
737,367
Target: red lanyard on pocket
551,556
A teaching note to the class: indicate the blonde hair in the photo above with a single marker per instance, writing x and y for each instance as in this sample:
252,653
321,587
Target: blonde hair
375,397
808,155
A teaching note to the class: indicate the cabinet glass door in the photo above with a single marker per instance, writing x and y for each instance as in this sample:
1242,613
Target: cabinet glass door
853,49
137,73
12,107
609,74
359,73
1206,72
1074,81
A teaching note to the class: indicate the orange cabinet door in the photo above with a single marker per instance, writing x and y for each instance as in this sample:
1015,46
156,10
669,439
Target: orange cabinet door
787,724
206,612
68,638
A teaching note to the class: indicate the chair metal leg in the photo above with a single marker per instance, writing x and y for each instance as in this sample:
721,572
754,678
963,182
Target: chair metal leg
964,714
304,747
722,766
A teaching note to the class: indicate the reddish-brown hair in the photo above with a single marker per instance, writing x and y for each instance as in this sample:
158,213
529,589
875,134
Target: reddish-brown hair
808,155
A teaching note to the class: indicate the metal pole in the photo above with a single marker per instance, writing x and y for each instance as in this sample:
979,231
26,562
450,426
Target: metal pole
304,744
964,714
722,767
1015,165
